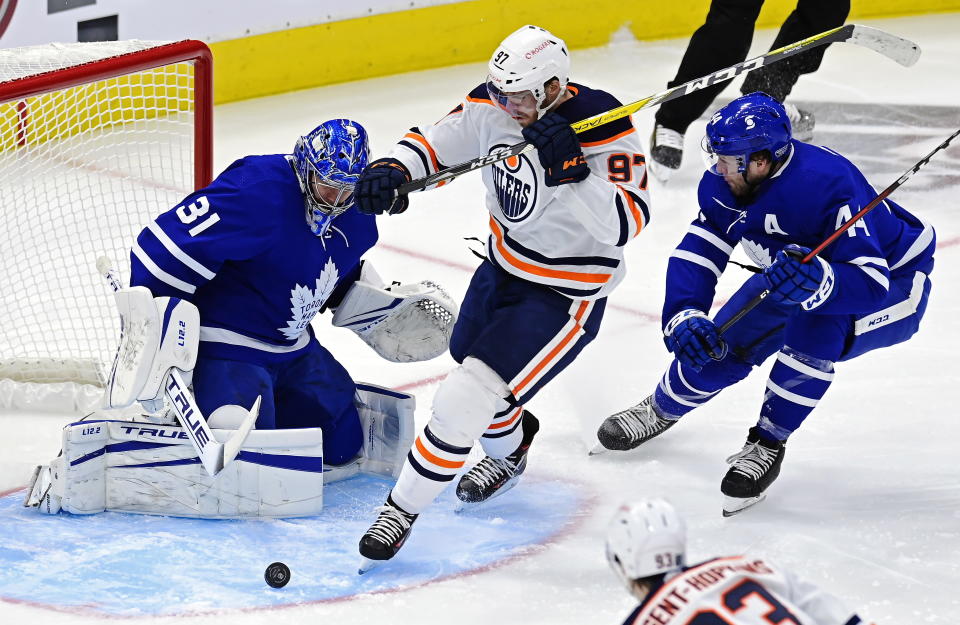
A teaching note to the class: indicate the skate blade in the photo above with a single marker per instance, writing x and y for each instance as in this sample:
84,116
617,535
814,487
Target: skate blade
736,505
466,506
597,450
367,565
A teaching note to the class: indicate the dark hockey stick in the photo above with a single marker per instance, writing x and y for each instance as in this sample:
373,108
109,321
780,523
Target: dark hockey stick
903,51
833,237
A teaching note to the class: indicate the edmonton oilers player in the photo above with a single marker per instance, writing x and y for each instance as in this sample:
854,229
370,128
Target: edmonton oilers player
558,222
647,550
778,198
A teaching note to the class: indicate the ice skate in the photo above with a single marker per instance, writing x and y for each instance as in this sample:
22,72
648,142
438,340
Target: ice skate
630,428
801,122
753,469
386,536
666,152
491,477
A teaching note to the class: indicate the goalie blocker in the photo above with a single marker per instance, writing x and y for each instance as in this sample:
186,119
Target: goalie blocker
150,468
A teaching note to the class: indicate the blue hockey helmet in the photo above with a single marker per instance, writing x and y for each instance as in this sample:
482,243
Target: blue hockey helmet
750,124
328,161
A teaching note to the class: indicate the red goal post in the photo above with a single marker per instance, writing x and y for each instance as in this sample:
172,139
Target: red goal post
95,140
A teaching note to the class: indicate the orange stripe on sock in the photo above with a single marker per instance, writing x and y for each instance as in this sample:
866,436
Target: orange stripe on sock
503,424
440,462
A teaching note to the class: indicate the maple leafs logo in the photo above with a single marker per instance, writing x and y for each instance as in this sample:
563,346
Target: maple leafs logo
304,302
757,253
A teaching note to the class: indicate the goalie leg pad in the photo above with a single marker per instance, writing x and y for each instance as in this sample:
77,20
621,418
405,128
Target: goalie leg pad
146,468
388,428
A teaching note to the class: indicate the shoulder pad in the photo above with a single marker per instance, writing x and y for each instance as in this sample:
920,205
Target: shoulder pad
588,102
479,95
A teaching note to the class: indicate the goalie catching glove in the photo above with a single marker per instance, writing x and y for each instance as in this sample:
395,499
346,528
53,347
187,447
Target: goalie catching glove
401,322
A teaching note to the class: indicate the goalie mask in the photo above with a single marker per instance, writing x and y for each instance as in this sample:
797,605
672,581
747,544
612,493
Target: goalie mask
522,65
750,124
328,161
645,538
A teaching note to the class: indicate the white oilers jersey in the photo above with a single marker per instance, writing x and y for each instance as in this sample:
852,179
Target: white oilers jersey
741,590
570,237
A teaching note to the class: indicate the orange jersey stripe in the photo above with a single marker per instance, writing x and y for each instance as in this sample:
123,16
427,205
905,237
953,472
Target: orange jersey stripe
637,215
591,144
503,424
553,352
480,100
429,148
440,462
595,278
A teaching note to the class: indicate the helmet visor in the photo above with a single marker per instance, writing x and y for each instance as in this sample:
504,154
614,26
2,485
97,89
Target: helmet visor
513,102
722,164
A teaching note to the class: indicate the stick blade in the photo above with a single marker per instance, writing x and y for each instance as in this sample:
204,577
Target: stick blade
232,447
903,51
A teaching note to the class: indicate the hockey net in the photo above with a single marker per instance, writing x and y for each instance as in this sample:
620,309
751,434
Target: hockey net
95,140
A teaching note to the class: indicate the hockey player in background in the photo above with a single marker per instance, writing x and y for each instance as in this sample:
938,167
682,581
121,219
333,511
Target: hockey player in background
724,40
559,220
244,265
646,548
778,198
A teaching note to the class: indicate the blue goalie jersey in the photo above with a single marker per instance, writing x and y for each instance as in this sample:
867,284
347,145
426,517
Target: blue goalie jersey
814,193
241,250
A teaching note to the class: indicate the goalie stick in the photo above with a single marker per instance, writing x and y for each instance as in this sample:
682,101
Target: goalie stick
903,51
213,454
753,303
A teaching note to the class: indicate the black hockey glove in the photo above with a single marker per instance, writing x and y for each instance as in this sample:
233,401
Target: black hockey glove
559,150
377,188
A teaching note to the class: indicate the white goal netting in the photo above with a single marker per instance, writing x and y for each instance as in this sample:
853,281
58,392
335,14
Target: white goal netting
95,140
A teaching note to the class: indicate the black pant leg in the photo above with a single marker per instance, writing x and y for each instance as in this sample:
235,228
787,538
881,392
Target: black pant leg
723,40
811,17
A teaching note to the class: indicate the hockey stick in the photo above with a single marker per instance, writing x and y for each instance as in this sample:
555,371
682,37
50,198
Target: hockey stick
903,51
214,455
753,303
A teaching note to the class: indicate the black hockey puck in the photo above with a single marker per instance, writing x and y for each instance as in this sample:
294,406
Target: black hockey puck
277,575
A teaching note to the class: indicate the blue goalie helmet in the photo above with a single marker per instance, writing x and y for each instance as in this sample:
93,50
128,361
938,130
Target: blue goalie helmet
329,160
750,124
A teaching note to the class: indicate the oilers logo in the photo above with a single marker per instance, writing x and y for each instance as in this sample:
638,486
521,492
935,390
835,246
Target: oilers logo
515,181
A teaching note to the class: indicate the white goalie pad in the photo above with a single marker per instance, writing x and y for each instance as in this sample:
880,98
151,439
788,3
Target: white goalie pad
401,322
146,468
151,467
388,428
156,335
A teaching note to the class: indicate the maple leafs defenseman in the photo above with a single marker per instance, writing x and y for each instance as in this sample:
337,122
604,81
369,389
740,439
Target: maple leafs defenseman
778,198
239,254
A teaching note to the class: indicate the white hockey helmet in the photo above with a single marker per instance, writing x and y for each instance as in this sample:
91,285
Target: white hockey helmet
526,60
645,538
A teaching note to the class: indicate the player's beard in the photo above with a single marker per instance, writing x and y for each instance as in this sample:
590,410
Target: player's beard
742,186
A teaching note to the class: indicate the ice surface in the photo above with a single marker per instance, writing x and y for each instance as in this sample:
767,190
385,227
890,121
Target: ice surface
868,502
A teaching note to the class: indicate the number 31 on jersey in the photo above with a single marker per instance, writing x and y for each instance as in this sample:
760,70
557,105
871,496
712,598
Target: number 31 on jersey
189,213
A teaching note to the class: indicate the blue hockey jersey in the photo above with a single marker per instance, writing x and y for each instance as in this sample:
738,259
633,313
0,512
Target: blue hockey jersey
241,250
814,193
